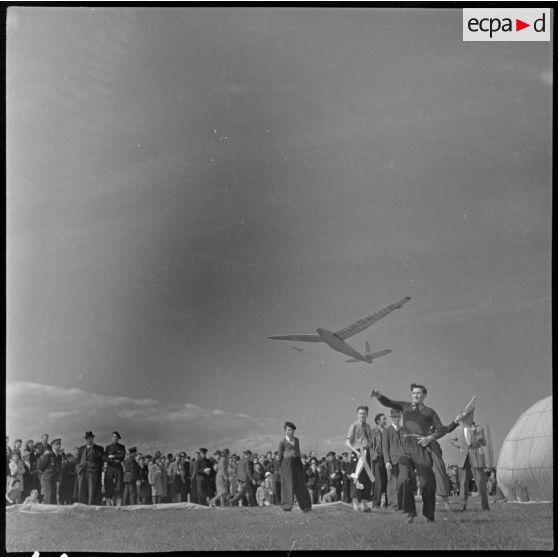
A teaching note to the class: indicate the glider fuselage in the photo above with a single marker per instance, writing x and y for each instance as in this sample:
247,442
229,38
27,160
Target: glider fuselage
337,344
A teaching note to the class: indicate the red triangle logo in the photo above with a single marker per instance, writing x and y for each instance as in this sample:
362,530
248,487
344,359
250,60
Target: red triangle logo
519,25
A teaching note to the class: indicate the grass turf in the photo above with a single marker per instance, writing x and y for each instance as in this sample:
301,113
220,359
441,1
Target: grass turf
507,527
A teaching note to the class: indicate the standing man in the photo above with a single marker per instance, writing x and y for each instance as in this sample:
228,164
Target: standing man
245,475
193,475
418,420
17,448
114,455
89,467
8,459
334,473
392,447
50,464
203,477
379,466
131,477
469,440
44,439
358,441
345,477
276,474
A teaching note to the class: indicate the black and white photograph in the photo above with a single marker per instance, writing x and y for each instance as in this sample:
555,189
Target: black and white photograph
278,278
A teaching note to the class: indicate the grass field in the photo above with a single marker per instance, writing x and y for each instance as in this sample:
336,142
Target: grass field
507,527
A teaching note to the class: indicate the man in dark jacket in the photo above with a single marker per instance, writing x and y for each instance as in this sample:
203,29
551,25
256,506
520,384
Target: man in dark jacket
132,477
193,475
89,467
392,447
276,471
50,465
114,455
68,478
345,465
203,470
378,464
334,473
245,476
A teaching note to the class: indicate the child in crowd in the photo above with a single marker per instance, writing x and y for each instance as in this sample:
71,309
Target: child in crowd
13,494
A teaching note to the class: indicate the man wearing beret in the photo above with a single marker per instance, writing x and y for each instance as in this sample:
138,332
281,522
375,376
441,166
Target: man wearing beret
89,467
114,455
50,465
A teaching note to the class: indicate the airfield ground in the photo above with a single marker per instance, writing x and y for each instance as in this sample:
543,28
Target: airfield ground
507,527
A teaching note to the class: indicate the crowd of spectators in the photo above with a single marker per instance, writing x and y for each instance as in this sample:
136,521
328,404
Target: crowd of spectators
490,473
43,472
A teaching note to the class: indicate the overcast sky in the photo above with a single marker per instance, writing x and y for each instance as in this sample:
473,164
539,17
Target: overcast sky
184,182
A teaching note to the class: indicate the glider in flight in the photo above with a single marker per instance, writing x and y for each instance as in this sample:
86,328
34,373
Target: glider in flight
368,354
336,340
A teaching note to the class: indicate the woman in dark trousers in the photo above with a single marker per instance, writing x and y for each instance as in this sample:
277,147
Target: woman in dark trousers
293,479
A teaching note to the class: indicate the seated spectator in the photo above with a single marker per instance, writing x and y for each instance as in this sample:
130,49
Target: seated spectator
33,498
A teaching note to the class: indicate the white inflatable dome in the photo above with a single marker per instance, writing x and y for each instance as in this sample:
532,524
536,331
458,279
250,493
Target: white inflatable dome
524,469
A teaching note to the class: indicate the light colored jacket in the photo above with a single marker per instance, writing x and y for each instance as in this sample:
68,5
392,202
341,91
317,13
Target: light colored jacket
473,451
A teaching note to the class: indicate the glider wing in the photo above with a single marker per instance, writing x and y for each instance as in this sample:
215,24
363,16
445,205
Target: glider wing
307,338
367,321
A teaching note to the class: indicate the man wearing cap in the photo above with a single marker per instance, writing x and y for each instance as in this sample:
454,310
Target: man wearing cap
245,477
131,477
469,439
392,447
89,468
334,473
114,455
50,465
421,425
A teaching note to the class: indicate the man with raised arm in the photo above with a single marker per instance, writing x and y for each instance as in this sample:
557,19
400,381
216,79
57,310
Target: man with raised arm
421,426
